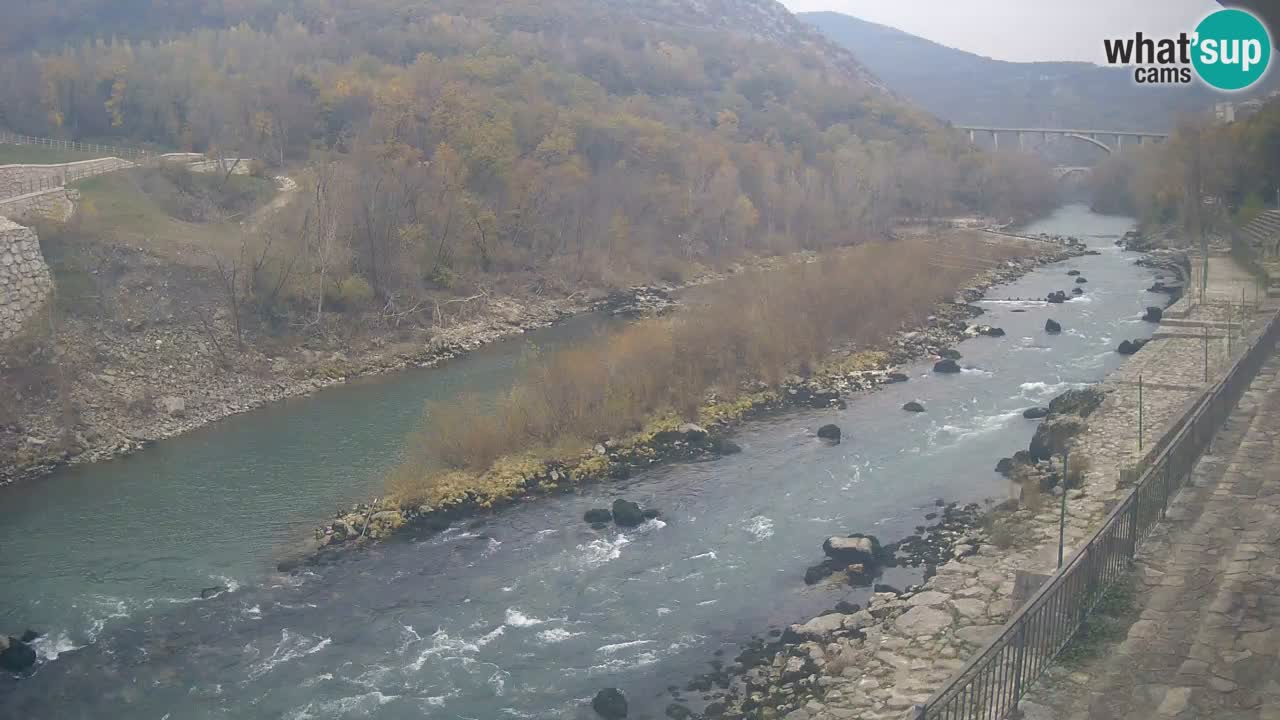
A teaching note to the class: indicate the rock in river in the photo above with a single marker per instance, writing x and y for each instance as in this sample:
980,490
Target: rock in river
1153,314
1035,413
1081,280
1080,402
830,433
1057,296
863,549
16,656
627,513
1129,347
610,704
1073,272
1053,436
598,515
914,407
946,365
1052,326
949,354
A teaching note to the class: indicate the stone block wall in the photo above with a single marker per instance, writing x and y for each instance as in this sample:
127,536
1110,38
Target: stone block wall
23,179
25,282
56,204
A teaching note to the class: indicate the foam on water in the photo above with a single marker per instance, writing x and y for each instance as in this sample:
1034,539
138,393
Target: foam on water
761,527
49,647
515,618
291,647
610,649
600,551
555,635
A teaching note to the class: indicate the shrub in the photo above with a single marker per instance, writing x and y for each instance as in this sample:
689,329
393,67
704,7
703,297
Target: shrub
353,293
759,325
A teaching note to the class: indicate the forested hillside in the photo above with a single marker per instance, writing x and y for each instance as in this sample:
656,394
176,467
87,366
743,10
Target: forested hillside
486,135
962,87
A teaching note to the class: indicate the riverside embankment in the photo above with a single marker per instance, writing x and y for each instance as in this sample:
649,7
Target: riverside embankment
879,662
529,611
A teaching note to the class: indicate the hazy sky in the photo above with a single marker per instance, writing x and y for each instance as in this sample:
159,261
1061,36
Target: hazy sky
1023,30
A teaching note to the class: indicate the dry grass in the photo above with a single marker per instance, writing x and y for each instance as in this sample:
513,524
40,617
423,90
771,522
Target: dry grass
758,326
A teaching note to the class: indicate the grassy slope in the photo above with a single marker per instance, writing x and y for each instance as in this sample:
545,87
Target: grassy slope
122,212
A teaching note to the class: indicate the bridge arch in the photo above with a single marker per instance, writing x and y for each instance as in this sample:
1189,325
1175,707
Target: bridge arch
1105,147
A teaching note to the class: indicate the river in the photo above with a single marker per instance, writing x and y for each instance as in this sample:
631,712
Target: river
529,612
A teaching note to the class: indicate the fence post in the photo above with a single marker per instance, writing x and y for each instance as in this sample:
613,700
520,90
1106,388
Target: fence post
1062,515
1139,412
1019,658
1133,523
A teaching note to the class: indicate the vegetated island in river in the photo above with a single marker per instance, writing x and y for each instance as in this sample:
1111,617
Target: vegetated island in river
671,388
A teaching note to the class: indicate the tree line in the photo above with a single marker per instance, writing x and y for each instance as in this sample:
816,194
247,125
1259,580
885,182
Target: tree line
436,143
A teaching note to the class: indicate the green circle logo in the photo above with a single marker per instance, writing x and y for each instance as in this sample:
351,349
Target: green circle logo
1232,49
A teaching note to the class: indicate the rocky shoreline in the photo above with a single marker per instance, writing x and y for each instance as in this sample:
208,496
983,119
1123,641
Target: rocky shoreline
880,661
206,395
849,372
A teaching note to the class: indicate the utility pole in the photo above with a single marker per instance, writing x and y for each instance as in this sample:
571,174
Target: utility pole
1195,194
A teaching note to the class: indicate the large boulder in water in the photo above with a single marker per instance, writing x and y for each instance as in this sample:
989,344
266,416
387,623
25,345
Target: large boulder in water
1080,402
598,515
914,407
1153,314
1054,436
1081,280
16,656
863,549
610,704
1057,296
627,513
830,433
1052,326
946,365
1130,347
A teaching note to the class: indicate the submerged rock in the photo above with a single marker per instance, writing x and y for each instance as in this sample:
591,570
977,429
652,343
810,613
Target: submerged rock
1052,326
949,354
726,447
209,592
896,377
1036,413
610,704
1073,272
946,365
1153,314
16,656
1077,291
29,636
598,515
627,513
815,573
914,407
831,433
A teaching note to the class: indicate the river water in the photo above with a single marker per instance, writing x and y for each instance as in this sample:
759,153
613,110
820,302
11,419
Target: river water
529,612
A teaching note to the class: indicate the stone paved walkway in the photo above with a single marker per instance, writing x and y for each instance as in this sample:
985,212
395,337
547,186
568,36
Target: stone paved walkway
1206,643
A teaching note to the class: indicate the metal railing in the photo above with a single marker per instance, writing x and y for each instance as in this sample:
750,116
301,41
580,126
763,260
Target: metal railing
131,153
990,685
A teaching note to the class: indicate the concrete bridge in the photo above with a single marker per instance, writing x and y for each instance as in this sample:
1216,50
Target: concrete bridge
1089,136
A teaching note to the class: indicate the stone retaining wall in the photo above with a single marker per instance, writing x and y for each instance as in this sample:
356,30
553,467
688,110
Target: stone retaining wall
18,180
25,282
56,204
